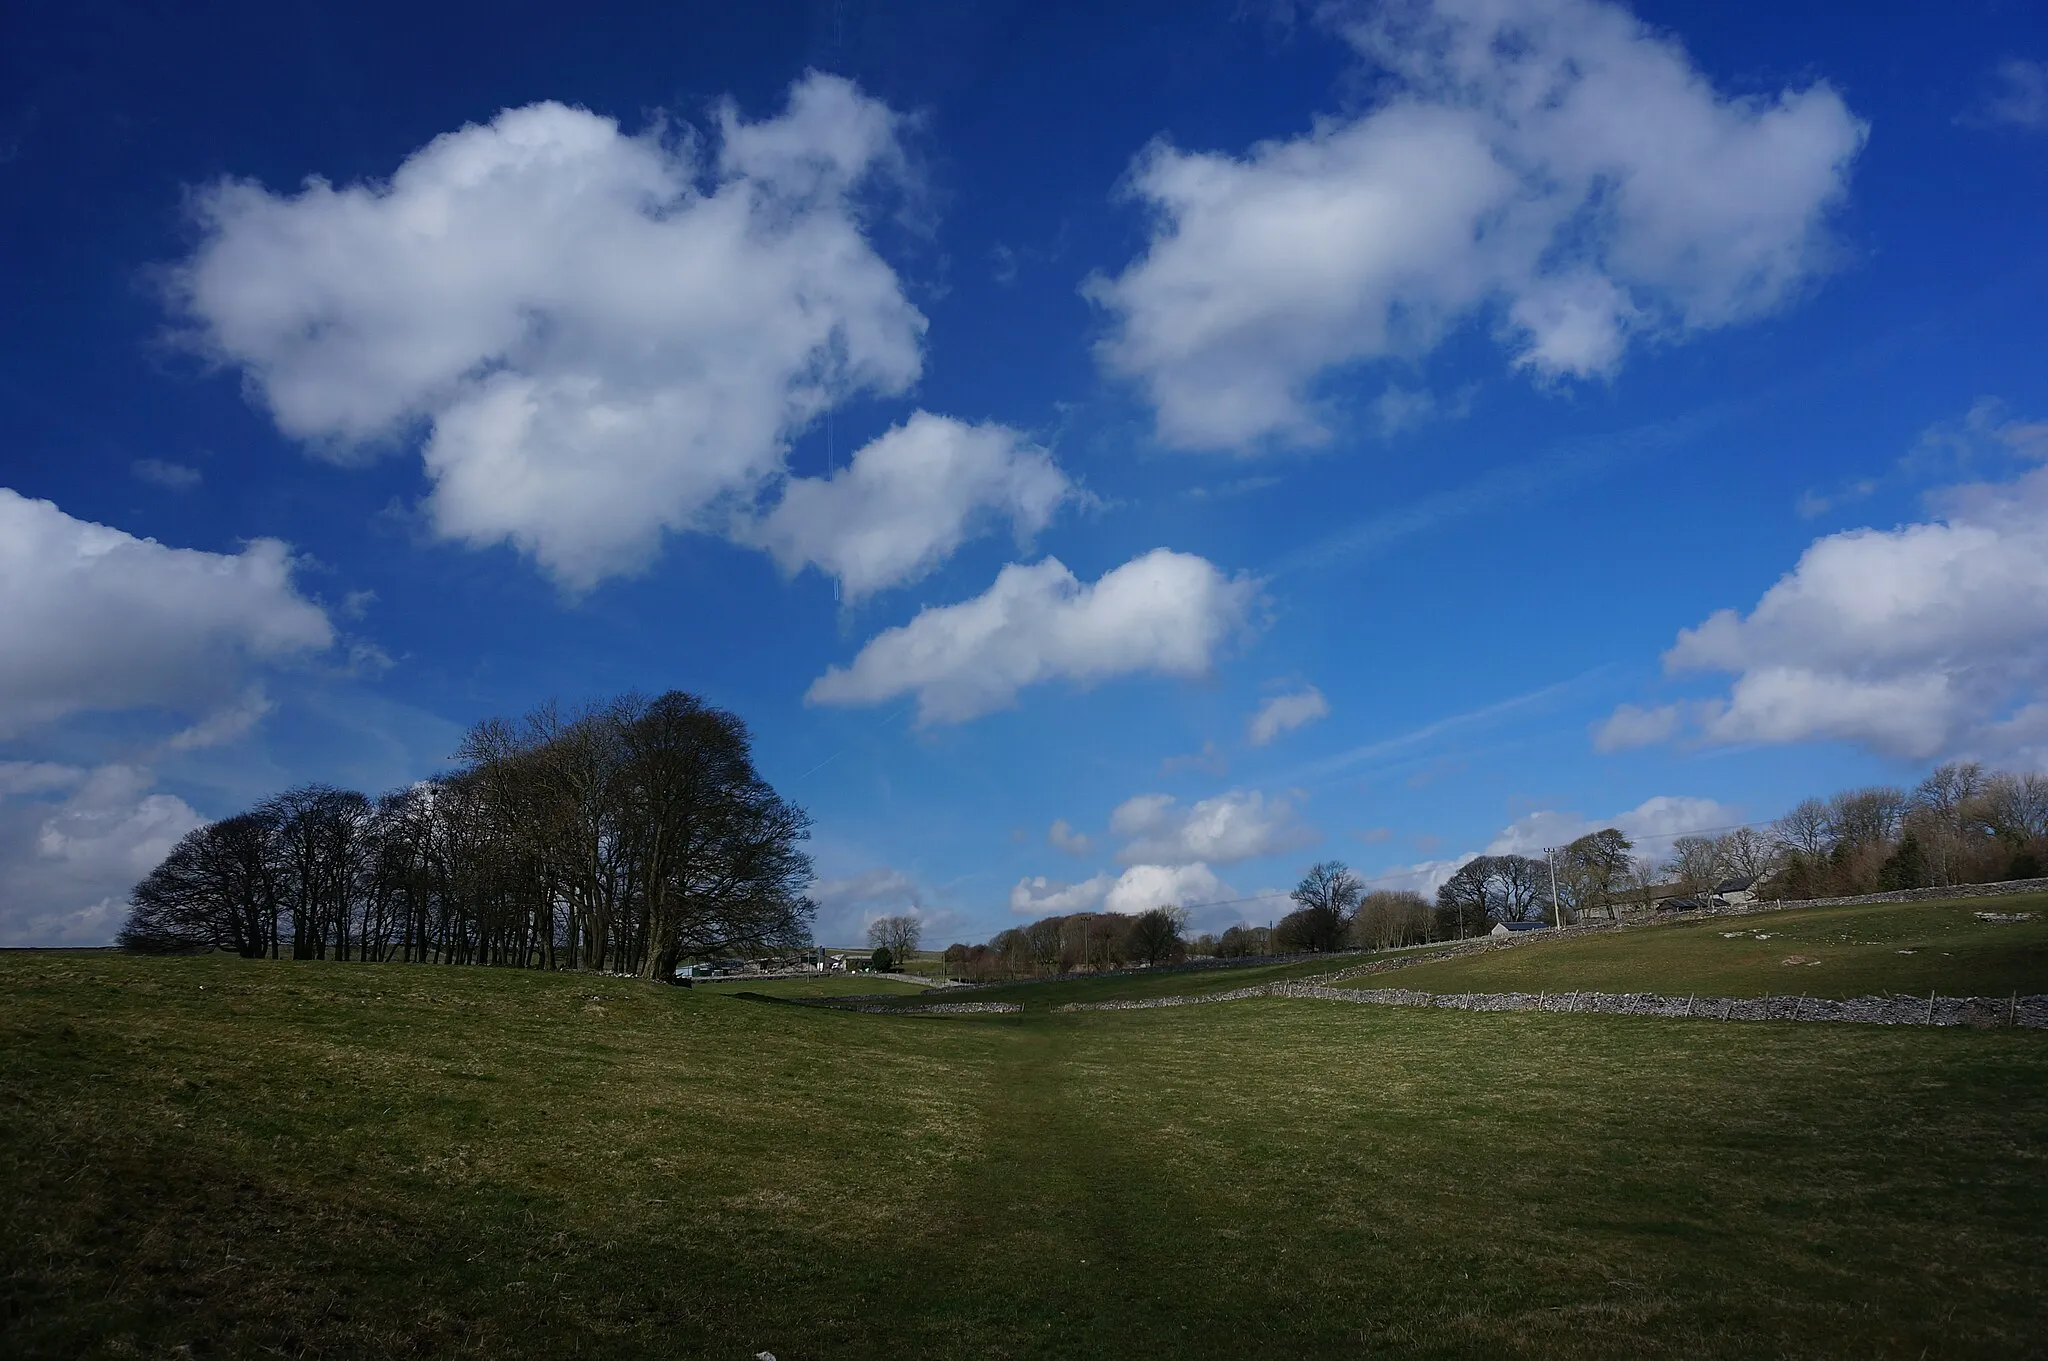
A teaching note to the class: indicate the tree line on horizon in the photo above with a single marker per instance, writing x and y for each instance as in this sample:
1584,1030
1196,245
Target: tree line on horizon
1963,824
624,838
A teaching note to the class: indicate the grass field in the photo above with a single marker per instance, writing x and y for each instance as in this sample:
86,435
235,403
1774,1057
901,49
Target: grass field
1044,995
1857,951
211,1157
822,985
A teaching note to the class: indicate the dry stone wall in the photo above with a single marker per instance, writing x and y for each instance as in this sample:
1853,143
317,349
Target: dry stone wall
1904,895
928,1009
1939,1011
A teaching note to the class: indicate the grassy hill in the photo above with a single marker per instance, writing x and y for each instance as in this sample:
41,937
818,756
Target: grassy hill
209,1157
1047,994
1856,951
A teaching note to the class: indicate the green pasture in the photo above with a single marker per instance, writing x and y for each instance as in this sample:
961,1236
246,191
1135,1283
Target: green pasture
1858,951
208,1157
819,985
1045,994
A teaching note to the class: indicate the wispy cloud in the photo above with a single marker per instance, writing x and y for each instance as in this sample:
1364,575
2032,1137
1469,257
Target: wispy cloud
1511,485
170,476
1410,741
2018,97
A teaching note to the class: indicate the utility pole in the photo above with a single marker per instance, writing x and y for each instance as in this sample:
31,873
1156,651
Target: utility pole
1556,912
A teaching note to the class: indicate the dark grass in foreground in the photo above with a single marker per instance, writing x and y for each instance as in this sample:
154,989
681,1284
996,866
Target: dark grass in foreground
322,1160
1863,950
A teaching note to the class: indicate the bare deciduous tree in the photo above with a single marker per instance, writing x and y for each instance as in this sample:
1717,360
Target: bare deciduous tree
1391,917
1155,935
1325,898
897,934
1748,854
1592,873
1806,829
1696,865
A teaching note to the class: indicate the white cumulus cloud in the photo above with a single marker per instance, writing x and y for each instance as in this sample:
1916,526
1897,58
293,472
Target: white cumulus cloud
67,864
602,336
1553,164
1144,887
1285,713
907,500
97,619
846,904
1653,824
1240,825
1036,896
1165,612
1213,904
1633,725
1919,641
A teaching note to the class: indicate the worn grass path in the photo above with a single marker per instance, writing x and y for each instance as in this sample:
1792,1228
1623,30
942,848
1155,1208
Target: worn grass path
205,1157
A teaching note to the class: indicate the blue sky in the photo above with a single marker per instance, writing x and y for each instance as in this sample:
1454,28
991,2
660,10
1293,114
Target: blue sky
1106,459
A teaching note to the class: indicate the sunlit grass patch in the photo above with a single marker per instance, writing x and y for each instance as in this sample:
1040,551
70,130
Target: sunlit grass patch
1854,951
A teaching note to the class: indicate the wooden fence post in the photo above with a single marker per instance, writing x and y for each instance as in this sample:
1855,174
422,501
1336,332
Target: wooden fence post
1688,1002
1930,1009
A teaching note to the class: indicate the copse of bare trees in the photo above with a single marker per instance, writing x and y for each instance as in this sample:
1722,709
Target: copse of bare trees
1075,943
625,837
898,935
1489,889
1960,825
1325,900
1389,918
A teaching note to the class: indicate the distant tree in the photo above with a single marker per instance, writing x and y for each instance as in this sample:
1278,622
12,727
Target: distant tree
955,959
1517,887
2014,808
1866,817
1389,918
1944,815
1325,899
1043,940
1905,867
1155,935
1239,941
1806,830
1008,955
1592,873
898,935
1463,902
1203,945
217,889
1749,854
1695,865
1642,884
881,961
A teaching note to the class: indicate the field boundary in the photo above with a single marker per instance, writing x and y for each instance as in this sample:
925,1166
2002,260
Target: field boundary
2029,1012
876,1008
